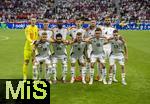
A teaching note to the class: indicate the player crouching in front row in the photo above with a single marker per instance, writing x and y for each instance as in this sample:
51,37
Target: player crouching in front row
41,53
77,54
118,45
59,47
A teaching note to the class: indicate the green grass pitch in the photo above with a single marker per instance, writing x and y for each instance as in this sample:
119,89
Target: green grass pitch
137,68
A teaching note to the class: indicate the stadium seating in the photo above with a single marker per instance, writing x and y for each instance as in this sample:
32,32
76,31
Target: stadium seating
72,9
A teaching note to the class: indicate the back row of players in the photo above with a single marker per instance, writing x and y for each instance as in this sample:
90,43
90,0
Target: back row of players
88,46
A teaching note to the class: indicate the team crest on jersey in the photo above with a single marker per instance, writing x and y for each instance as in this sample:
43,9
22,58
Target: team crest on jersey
40,45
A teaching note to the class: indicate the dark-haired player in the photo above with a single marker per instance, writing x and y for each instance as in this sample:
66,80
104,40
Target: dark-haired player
59,48
107,31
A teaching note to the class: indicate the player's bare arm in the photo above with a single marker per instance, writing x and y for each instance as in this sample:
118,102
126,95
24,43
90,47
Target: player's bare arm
66,42
52,40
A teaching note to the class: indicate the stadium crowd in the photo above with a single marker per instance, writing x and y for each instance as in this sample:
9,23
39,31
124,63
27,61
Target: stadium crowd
72,9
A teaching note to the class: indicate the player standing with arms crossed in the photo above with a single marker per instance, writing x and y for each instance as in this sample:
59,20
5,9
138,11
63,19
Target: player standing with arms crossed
31,33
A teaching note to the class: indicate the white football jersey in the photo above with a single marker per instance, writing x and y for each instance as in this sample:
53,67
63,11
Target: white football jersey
107,31
90,32
49,33
74,31
62,31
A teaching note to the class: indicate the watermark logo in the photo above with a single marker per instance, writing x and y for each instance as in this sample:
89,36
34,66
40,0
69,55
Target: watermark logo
20,92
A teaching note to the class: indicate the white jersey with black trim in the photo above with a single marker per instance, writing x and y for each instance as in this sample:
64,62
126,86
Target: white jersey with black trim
62,31
107,31
90,32
73,32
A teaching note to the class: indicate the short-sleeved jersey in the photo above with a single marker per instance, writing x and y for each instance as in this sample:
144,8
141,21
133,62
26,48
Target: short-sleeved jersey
78,49
59,49
73,32
97,45
90,32
62,31
116,46
31,33
107,31
49,33
42,49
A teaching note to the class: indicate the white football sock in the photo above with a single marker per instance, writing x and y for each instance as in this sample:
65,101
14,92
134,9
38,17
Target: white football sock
99,71
54,72
91,73
35,72
72,72
104,73
64,72
123,76
83,73
110,76
114,71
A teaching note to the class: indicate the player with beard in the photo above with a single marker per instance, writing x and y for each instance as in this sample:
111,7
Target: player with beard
107,31
59,47
60,30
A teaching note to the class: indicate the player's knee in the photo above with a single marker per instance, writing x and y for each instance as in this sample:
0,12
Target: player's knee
103,66
41,63
35,69
54,65
122,66
92,65
82,64
73,64
111,67
26,62
65,65
34,66
88,59
49,66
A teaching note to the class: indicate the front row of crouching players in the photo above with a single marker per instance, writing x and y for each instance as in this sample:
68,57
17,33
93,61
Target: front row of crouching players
78,50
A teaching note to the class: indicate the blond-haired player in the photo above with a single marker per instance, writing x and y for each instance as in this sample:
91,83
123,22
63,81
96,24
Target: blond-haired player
31,33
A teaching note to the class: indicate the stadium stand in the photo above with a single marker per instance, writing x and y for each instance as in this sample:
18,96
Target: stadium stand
127,10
